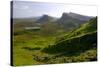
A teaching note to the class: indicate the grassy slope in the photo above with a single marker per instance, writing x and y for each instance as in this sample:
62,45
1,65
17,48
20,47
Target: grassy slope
88,27
78,41
28,48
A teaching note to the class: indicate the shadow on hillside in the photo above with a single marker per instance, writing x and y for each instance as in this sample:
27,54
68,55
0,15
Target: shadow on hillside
31,49
73,46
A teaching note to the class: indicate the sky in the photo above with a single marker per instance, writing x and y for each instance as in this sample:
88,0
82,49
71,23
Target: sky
22,9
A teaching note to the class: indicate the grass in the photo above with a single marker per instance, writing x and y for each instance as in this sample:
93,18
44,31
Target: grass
26,45
27,51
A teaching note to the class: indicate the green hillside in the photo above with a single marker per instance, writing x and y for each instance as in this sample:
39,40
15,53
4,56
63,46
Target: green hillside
77,41
88,27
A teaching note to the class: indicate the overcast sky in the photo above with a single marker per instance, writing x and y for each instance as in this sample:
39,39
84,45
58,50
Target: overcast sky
23,9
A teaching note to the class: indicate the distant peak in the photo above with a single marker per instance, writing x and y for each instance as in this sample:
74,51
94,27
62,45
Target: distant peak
65,13
45,15
72,13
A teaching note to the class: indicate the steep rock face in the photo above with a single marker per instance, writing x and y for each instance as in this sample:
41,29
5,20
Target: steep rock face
65,16
68,22
80,17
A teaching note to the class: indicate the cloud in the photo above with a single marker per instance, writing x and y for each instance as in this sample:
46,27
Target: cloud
21,6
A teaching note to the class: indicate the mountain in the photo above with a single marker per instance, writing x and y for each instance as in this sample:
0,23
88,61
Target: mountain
78,40
45,18
68,21
72,20
80,17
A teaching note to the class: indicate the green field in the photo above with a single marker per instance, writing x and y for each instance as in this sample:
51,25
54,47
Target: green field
26,44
